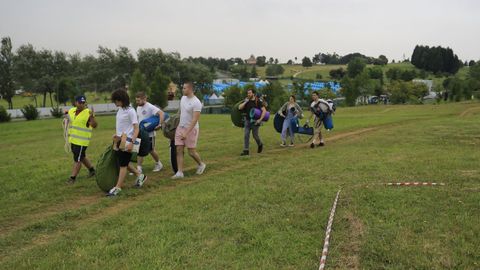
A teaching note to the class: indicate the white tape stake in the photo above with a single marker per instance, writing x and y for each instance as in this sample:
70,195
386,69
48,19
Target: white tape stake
416,184
323,259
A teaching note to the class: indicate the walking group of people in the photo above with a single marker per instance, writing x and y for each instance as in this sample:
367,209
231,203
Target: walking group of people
82,121
290,111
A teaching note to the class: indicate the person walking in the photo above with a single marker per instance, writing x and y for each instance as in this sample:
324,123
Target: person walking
291,111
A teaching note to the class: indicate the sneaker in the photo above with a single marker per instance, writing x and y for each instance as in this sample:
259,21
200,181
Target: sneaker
158,167
178,175
312,145
114,192
260,148
91,174
283,144
70,181
201,168
140,180
292,145
321,144
245,153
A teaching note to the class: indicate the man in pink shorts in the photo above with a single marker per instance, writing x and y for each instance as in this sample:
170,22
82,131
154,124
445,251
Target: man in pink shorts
186,134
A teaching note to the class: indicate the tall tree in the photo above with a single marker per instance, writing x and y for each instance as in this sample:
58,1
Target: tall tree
306,62
7,90
158,89
25,69
138,84
261,61
355,67
253,72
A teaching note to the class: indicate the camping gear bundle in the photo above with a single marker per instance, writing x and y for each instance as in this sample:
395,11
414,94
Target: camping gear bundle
108,166
324,110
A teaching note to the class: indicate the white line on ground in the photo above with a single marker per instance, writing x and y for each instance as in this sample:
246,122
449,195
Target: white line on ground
326,243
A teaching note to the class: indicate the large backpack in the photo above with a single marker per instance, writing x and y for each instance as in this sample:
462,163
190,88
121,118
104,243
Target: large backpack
324,110
170,126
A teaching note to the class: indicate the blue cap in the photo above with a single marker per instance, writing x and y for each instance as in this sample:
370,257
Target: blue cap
81,99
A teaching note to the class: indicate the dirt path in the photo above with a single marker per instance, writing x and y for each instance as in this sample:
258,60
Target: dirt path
469,111
350,258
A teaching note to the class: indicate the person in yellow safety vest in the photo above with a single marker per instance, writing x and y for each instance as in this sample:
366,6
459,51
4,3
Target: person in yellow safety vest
81,122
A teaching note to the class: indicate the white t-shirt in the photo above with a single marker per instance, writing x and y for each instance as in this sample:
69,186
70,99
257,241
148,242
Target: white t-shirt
126,117
147,111
187,107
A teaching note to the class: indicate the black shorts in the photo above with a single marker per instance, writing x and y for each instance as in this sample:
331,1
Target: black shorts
124,158
78,152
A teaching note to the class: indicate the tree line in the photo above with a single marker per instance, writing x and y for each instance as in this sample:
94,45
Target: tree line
435,59
60,76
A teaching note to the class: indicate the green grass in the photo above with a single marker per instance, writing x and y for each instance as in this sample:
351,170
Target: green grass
20,101
268,211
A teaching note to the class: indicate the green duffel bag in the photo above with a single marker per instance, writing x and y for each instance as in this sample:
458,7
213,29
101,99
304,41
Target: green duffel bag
170,126
107,170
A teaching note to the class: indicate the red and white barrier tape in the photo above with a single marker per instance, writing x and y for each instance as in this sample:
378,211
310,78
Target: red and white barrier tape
415,184
323,259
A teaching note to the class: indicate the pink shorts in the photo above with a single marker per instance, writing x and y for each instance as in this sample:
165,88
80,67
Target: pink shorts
190,141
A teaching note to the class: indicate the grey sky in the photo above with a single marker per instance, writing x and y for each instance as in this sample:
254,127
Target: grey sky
282,29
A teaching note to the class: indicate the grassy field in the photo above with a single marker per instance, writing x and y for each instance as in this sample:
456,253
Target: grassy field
268,211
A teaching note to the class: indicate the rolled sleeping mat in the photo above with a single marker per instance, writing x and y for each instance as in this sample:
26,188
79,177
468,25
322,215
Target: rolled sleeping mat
237,116
107,169
145,145
257,113
323,106
278,122
328,122
305,130
152,122
170,126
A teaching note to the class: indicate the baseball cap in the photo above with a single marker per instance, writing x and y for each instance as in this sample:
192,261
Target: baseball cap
81,99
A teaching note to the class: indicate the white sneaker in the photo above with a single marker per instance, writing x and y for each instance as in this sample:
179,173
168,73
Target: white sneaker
114,191
201,168
139,169
158,167
140,180
178,175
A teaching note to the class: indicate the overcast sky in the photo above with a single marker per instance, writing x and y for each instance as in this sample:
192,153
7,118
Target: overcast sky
230,28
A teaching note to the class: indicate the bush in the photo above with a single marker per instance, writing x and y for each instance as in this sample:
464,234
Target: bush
326,93
30,112
4,115
274,70
56,112
233,95
407,92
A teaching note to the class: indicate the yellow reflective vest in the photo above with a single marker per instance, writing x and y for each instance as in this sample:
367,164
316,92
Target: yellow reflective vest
78,132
